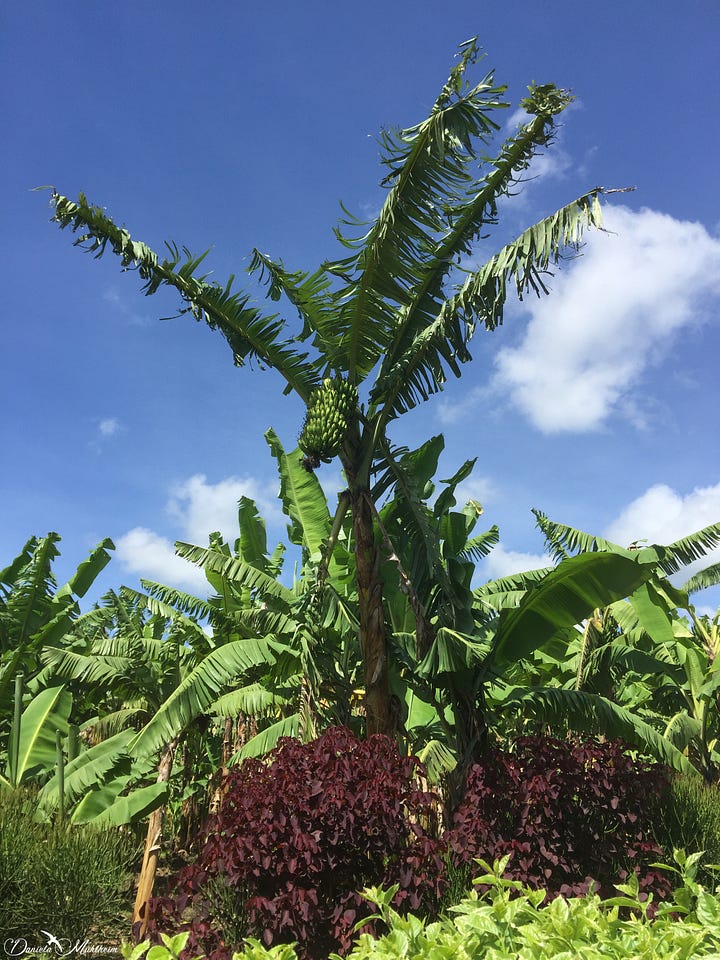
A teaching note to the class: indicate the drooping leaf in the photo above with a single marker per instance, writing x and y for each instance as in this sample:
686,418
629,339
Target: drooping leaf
100,798
566,596
652,612
438,759
132,807
253,699
682,729
420,371
310,294
481,546
708,577
88,770
202,687
248,333
682,552
616,657
267,739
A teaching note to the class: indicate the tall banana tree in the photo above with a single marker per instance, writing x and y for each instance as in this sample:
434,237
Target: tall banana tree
378,331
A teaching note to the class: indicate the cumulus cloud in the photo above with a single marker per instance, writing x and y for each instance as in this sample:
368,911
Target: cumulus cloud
202,507
480,489
662,515
502,562
197,508
109,426
121,307
611,315
146,554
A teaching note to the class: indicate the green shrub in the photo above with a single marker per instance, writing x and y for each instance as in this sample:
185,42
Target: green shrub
690,820
70,880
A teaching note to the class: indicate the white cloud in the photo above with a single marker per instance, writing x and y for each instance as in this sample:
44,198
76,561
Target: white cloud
611,315
452,411
112,297
516,119
109,426
370,209
502,563
146,554
480,489
662,515
203,507
198,509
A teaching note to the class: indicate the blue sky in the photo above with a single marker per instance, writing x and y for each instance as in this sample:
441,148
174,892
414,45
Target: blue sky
231,126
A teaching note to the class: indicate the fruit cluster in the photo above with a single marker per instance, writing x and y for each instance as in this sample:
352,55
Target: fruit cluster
329,411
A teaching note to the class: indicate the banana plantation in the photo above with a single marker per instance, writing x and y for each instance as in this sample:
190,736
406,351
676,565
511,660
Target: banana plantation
134,714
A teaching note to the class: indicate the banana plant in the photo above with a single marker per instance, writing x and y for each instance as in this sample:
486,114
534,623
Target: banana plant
468,670
32,751
304,635
35,612
375,333
651,654
544,618
136,653
85,786
123,659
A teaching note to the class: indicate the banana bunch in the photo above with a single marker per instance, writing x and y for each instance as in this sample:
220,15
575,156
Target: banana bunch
327,419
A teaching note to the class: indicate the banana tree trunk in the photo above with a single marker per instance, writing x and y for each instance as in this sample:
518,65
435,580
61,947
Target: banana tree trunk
218,778
471,733
153,841
373,641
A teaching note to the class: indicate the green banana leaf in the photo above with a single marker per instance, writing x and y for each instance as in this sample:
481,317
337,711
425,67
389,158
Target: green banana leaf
88,770
199,690
267,739
46,713
565,597
133,807
303,500
653,613
682,729
438,760
98,800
